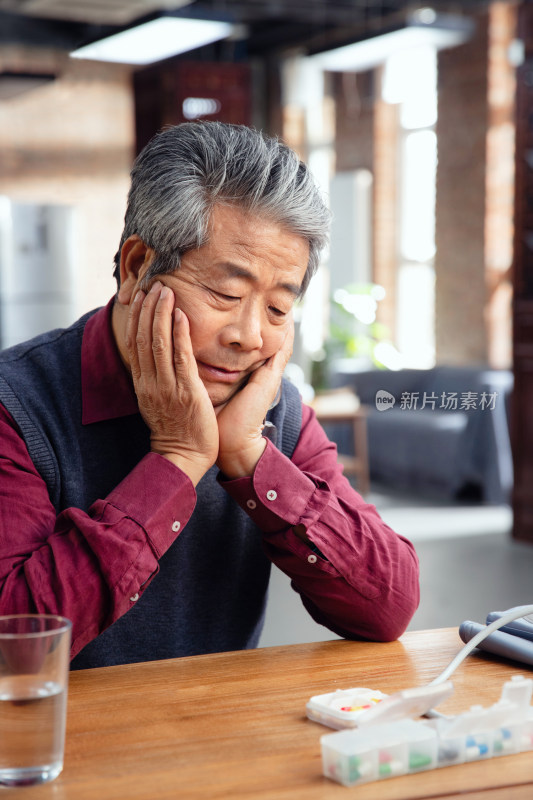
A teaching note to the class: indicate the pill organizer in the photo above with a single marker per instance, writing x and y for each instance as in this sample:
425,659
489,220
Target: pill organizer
388,743
342,709
350,708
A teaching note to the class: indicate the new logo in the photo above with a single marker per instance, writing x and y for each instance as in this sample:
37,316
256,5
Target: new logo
384,400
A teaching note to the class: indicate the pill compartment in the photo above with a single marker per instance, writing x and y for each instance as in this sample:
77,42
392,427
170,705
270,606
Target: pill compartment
366,754
451,750
342,708
478,745
392,756
526,737
422,747
507,739
349,758
378,752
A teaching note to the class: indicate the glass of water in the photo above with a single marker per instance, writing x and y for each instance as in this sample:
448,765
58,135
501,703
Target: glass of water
34,670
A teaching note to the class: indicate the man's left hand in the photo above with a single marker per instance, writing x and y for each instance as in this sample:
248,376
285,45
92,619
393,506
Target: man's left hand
240,420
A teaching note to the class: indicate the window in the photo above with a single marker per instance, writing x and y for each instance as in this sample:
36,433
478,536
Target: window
410,79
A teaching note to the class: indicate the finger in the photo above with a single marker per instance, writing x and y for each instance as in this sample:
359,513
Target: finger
288,344
277,362
131,332
184,360
269,376
162,338
143,339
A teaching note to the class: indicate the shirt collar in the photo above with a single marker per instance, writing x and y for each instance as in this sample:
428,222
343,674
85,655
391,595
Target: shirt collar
106,385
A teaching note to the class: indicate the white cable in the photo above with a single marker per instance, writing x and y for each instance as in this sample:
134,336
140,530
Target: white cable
509,616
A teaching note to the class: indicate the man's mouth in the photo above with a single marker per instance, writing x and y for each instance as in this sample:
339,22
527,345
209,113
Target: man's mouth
221,374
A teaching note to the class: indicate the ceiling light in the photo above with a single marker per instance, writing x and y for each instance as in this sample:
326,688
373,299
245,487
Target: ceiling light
195,107
153,41
95,12
422,28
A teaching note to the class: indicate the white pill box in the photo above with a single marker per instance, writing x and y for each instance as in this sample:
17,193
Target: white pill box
387,742
344,707
368,754
351,708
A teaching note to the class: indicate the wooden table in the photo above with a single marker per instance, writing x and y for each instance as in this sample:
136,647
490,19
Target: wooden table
233,725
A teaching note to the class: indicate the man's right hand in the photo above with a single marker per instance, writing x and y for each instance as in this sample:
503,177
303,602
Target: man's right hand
172,399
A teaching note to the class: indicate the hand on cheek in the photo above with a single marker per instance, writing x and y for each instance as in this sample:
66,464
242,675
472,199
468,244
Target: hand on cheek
240,421
172,399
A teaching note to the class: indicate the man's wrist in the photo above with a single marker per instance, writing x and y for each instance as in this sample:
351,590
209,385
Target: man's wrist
241,464
194,470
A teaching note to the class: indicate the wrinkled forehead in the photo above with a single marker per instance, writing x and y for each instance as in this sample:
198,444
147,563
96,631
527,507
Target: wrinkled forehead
252,247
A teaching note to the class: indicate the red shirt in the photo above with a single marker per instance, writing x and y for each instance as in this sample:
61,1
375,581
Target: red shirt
91,566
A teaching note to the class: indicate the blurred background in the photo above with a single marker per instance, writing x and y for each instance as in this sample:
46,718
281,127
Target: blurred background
416,121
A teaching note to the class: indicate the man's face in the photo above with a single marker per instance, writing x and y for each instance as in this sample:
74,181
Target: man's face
238,291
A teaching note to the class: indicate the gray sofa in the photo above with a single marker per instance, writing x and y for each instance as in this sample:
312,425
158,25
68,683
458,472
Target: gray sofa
442,430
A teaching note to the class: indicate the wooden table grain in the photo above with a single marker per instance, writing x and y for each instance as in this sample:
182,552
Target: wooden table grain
233,725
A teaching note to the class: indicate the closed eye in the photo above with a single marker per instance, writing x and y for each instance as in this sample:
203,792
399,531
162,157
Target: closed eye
222,296
278,312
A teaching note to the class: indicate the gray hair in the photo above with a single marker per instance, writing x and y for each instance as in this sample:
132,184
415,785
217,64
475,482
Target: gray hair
186,169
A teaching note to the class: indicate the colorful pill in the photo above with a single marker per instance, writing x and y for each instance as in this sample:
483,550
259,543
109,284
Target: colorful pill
476,750
354,772
448,753
385,770
419,760
356,708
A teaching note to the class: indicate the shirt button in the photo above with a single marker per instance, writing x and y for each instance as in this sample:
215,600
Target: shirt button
135,597
176,526
251,503
271,494
312,559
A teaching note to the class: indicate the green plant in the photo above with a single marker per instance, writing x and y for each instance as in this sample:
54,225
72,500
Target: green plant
354,332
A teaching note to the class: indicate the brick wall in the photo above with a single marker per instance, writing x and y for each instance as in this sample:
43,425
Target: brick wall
499,228
354,123
460,210
475,195
366,138
386,210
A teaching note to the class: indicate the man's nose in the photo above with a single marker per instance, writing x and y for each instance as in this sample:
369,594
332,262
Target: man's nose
244,330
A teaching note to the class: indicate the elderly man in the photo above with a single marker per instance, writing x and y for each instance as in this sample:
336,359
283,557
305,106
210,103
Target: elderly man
139,494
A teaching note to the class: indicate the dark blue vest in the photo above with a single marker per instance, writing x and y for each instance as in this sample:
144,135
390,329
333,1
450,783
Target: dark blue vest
210,593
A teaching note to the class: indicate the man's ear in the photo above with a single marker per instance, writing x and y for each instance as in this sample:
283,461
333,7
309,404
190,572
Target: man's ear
135,259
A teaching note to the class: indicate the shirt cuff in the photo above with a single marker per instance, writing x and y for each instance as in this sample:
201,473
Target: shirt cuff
279,493
159,497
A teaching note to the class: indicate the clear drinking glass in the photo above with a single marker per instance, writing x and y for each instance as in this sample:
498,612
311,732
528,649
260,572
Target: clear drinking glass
34,670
